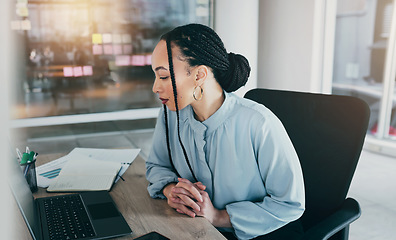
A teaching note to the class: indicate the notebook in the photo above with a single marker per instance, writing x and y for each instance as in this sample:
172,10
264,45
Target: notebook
82,173
98,217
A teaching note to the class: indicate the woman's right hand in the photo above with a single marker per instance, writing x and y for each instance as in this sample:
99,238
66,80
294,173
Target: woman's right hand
183,196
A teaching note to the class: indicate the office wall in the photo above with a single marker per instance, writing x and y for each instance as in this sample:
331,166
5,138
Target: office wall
276,37
285,44
236,22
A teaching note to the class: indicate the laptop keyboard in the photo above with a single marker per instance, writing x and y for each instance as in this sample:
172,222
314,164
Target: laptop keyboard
67,218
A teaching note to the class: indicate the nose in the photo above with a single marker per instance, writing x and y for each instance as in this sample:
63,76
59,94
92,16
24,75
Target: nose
155,86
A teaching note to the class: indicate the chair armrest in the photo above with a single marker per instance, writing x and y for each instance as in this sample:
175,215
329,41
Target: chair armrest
345,215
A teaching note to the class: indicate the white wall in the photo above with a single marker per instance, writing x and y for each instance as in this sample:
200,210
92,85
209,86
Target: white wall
277,37
285,44
236,22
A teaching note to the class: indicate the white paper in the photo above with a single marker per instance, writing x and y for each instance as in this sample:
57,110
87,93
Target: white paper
114,155
123,156
82,173
82,183
46,173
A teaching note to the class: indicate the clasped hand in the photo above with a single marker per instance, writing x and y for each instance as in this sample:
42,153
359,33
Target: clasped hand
190,199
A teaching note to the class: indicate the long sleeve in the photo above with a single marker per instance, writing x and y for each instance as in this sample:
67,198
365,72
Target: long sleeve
159,171
282,176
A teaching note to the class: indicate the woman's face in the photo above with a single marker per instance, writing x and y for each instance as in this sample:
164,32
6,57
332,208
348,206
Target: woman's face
185,81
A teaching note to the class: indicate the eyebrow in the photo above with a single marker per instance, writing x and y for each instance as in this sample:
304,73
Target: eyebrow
160,68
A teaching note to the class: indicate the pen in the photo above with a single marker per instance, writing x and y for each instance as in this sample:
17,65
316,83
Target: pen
30,161
121,178
19,154
26,170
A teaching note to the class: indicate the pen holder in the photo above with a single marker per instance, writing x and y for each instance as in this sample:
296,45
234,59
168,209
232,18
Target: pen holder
30,175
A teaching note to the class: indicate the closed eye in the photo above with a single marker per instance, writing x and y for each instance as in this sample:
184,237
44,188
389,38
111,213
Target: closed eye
164,78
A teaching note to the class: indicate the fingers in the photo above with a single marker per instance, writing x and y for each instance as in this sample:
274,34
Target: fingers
190,187
178,204
180,201
181,190
200,186
184,210
185,199
204,194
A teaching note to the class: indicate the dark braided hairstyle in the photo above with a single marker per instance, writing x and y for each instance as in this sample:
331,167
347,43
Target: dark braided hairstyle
200,45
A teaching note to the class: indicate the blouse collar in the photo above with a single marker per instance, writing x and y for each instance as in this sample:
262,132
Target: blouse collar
214,121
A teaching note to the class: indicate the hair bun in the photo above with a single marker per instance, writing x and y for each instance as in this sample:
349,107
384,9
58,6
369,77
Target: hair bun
237,74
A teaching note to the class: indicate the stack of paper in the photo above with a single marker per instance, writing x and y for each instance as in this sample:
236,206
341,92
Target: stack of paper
85,169
85,174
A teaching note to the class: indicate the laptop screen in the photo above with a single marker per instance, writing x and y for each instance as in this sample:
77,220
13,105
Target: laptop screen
24,197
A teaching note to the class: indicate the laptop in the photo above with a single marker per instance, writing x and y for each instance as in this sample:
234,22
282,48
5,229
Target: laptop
92,215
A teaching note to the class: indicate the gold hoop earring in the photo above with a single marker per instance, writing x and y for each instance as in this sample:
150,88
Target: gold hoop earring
194,93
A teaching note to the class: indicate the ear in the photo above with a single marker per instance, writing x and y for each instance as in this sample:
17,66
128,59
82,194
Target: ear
201,74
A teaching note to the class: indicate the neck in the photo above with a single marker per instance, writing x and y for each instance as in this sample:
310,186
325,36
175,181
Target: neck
212,100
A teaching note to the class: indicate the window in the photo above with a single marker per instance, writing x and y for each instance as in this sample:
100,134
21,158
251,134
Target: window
365,62
91,56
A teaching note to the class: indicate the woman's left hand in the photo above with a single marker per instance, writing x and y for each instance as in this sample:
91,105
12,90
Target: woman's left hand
186,194
207,210
218,218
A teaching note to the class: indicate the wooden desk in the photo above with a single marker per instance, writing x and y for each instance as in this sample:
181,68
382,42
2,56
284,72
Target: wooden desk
142,213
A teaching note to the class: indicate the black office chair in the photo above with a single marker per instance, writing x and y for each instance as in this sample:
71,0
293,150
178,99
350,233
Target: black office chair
327,132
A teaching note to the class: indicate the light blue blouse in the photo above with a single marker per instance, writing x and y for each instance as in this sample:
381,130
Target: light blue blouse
244,157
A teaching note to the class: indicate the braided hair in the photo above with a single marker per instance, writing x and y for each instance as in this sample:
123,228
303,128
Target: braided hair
200,45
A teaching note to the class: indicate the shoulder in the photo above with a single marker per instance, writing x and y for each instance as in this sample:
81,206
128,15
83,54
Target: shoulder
254,117
249,109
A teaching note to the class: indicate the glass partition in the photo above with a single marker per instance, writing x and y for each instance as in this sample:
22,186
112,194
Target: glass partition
91,56
365,60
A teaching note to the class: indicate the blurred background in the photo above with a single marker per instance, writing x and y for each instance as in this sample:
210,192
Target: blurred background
84,61
91,56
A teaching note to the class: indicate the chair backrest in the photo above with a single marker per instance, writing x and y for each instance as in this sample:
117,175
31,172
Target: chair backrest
327,132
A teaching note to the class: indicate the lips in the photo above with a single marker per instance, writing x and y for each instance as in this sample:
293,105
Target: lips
164,100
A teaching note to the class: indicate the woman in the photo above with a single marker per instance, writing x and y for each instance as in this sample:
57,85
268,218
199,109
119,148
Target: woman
214,154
